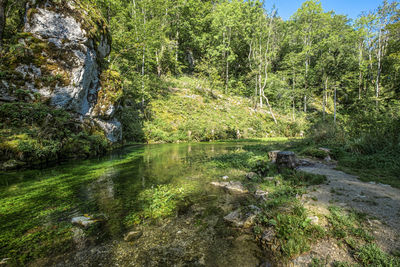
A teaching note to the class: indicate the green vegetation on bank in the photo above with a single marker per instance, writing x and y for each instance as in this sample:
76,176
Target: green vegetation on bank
35,133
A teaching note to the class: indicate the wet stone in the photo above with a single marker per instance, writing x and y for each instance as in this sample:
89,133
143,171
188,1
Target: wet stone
82,221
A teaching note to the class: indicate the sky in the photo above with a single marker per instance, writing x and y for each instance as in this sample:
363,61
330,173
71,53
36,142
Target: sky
352,8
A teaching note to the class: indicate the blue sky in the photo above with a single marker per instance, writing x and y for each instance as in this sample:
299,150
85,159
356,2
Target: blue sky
352,8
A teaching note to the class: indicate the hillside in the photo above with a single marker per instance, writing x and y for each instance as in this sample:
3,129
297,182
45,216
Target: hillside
190,111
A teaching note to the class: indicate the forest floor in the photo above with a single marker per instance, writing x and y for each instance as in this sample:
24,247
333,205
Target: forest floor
378,203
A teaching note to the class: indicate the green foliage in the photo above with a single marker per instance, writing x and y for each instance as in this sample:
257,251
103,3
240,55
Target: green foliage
346,226
35,133
314,152
371,254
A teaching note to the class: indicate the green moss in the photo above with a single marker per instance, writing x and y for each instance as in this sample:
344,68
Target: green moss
110,92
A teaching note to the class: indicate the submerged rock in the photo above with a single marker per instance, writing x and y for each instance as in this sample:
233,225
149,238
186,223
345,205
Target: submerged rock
234,187
133,235
242,219
82,221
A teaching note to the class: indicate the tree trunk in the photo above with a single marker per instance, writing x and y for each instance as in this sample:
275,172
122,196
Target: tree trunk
334,116
227,61
324,101
270,109
3,5
378,75
359,66
294,88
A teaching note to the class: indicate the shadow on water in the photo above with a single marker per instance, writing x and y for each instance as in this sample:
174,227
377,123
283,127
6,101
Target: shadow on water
160,190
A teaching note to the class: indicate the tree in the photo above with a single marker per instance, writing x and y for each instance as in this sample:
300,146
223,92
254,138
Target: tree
3,6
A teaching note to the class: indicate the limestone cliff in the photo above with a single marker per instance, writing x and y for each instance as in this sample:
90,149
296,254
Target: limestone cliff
63,64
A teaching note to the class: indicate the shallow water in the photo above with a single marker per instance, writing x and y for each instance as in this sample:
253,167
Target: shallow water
162,191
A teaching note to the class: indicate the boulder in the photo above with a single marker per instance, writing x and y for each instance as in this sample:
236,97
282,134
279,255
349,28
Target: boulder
286,159
66,47
273,155
234,187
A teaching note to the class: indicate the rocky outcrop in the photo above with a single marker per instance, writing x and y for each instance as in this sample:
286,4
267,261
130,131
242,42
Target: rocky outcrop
64,63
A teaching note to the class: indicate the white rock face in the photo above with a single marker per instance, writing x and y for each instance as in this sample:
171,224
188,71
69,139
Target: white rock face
113,129
78,63
67,34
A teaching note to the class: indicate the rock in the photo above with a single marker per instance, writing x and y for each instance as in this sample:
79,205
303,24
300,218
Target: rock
250,220
79,237
327,158
304,163
133,235
233,187
313,219
82,221
4,261
238,219
112,129
11,164
252,176
327,150
260,194
234,218
225,177
286,159
65,67
268,236
273,155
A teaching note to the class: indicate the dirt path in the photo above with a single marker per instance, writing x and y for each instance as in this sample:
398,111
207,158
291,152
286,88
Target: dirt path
380,202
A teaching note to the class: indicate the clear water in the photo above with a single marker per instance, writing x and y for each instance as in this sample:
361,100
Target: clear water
162,191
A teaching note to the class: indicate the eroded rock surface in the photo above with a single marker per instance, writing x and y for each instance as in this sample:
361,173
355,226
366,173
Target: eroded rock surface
65,49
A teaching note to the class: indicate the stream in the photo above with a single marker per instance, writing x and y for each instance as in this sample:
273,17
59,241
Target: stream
161,193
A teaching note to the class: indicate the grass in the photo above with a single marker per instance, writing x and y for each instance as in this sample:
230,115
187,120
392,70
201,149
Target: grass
189,112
